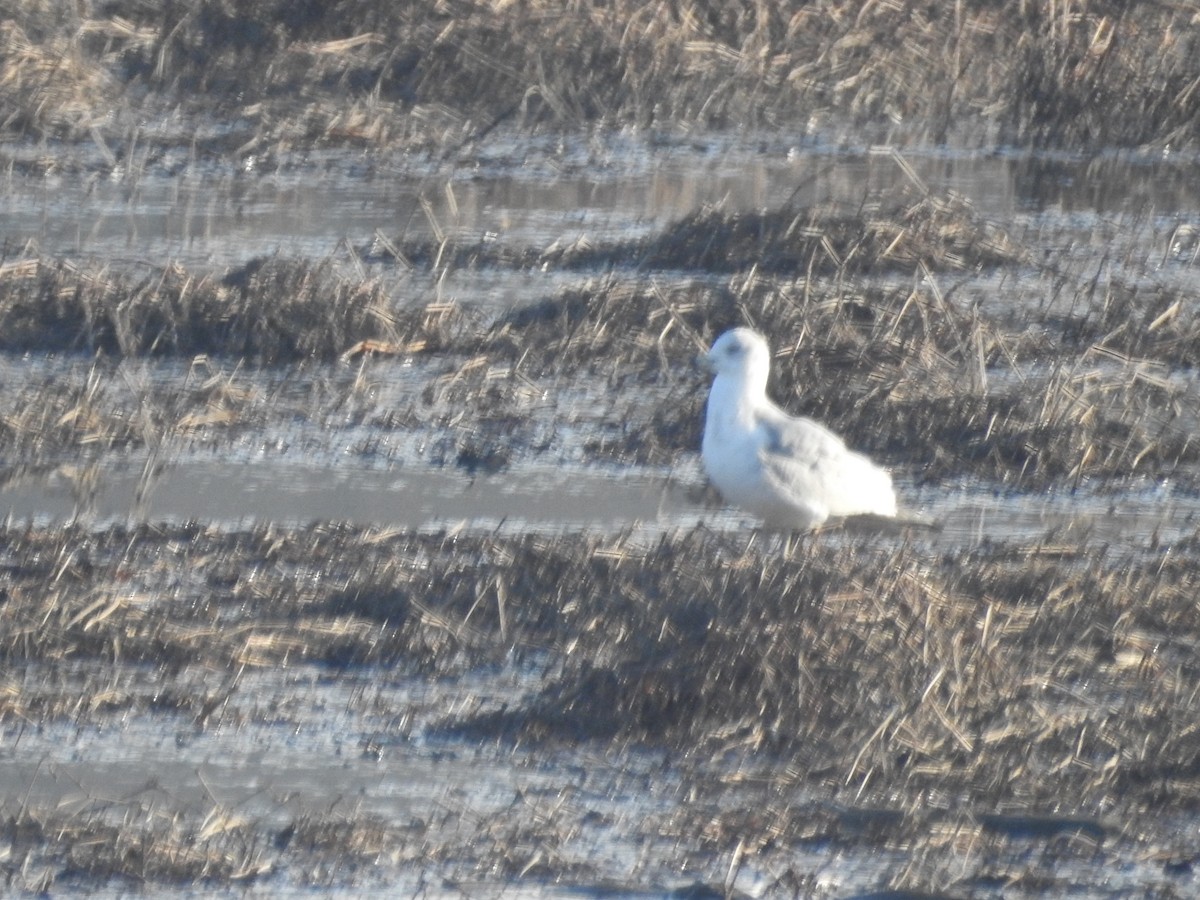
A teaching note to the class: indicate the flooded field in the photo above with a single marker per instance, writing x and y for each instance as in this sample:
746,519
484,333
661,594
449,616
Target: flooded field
355,540
306,625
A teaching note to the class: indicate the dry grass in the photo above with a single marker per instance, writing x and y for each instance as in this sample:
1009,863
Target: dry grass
50,82
137,842
1023,677
266,312
1094,73
917,380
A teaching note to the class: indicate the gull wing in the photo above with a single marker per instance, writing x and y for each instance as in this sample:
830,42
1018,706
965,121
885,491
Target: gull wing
807,462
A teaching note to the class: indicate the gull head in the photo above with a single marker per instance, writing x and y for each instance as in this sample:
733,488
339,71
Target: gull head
742,355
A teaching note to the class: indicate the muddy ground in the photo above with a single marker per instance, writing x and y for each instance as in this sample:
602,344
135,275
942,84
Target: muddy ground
710,711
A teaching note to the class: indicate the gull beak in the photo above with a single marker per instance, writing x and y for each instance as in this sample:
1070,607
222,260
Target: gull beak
703,362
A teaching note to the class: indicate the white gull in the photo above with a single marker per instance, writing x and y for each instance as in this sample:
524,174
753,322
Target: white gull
793,473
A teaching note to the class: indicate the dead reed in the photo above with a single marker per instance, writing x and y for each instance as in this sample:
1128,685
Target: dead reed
851,693
1089,74
1012,677
135,841
49,78
268,311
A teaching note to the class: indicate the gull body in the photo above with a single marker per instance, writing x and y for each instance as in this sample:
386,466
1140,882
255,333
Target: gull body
793,473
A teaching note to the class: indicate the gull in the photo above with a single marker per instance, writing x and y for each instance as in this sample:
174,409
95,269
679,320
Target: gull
793,473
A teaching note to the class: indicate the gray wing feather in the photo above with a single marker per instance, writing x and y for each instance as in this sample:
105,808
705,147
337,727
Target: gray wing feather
809,462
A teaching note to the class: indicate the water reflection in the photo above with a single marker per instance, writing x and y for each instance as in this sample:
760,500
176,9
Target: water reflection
205,215
550,499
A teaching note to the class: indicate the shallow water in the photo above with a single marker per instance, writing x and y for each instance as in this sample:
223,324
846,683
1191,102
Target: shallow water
208,214
551,499
297,743
420,496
